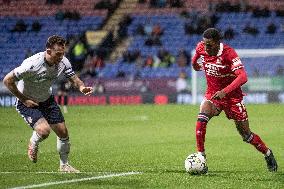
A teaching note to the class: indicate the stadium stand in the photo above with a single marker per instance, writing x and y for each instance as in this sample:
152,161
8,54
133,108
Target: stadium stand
42,8
174,38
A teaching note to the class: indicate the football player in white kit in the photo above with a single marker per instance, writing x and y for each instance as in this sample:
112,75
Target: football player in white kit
35,101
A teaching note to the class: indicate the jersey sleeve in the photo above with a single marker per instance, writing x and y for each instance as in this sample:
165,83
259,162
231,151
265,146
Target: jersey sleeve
68,70
238,82
237,68
235,60
24,70
196,56
198,50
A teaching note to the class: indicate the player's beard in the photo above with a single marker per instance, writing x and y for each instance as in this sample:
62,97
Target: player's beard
212,52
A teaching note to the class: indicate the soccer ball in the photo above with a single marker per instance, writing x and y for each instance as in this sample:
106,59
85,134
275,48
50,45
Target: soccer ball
195,164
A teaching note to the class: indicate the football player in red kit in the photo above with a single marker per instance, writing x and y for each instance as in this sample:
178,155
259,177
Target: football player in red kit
225,74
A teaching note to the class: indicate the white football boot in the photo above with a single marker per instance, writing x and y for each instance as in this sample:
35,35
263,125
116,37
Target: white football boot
66,168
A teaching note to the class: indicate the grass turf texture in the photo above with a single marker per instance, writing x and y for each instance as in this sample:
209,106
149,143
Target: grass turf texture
153,140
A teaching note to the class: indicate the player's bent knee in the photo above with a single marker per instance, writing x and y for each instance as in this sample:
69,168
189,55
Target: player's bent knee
60,129
43,132
209,109
42,128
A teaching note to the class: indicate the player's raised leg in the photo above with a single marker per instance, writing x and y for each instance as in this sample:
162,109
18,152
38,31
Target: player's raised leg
63,147
255,140
34,117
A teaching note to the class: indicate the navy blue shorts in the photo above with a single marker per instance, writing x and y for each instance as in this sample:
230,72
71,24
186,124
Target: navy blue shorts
47,109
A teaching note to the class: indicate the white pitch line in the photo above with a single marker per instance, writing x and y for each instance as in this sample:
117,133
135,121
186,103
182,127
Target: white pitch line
76,180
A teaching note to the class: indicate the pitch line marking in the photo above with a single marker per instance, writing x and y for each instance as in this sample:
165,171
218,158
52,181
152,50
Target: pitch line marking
76,180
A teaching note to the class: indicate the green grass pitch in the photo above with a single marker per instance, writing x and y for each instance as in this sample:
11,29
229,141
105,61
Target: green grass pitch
152,140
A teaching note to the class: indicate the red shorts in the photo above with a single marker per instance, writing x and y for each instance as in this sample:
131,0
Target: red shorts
234,108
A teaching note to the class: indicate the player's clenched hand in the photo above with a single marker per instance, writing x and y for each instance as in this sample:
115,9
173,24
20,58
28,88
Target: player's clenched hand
197,67
87,90
218,95
29,103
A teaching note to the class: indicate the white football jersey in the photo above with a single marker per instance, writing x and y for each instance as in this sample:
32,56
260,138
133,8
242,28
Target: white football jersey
36,76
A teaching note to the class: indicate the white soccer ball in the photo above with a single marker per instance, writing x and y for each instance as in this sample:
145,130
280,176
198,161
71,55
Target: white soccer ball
195,164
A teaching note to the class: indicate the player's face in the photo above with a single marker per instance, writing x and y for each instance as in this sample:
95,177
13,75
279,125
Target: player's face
56,54
211,46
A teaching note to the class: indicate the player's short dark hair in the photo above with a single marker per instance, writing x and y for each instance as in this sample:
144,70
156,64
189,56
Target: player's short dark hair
55,39
212,33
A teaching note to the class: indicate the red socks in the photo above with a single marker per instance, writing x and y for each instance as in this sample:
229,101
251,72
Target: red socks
258,143
200,135
200,131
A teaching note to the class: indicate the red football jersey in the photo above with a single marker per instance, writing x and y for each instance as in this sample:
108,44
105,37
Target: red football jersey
219,69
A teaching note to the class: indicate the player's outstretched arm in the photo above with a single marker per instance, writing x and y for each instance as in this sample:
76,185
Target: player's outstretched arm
9,80
78,83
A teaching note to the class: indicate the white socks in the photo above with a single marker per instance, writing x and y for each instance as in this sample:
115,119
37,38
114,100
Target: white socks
35,139
268,153
63,147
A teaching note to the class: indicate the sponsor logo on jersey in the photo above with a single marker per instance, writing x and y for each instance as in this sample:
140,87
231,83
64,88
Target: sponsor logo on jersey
41,76
213,69
219,60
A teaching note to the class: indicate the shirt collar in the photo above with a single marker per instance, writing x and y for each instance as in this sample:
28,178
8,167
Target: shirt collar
220,49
